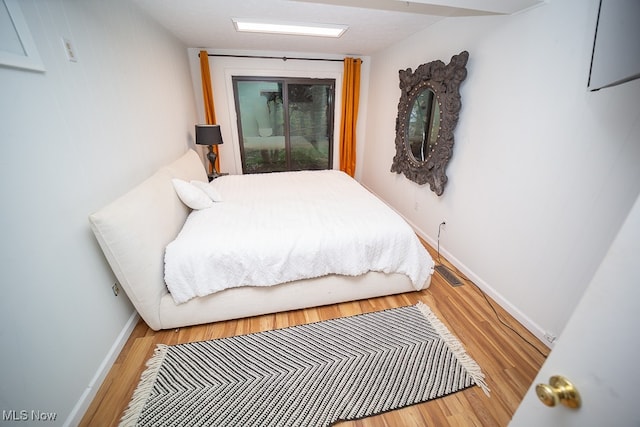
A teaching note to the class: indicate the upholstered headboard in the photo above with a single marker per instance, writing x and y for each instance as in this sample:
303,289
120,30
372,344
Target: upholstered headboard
134,230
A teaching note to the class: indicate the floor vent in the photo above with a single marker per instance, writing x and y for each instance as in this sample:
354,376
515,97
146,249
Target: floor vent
451,278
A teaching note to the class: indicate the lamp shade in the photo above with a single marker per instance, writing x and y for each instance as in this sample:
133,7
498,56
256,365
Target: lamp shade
208,135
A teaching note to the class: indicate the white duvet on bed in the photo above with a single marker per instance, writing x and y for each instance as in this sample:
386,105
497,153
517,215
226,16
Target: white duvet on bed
280,227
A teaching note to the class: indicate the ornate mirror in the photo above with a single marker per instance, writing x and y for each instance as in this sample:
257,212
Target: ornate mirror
427,116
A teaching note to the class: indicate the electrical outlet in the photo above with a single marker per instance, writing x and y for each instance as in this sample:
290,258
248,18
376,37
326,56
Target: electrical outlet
416,205
443,224
116,289
550,337
69,50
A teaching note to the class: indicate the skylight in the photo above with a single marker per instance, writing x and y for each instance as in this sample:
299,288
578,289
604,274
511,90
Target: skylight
290,28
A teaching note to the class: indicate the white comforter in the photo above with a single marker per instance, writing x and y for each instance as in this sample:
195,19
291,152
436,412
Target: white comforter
280,227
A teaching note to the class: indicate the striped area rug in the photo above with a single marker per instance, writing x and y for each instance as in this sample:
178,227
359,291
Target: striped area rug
308,375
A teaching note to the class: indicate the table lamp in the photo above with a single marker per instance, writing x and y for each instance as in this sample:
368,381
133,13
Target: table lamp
209,135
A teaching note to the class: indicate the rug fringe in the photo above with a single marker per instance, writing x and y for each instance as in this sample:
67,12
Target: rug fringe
456,347
142,392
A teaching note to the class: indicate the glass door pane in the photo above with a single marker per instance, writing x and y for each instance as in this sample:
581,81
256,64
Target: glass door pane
261,125
310,125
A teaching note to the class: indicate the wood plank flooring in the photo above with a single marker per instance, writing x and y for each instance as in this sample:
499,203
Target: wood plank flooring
509,363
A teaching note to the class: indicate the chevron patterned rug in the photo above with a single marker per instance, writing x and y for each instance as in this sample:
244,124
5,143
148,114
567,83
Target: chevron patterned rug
307,375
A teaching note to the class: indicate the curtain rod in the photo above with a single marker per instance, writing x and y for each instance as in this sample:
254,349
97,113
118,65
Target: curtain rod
284,58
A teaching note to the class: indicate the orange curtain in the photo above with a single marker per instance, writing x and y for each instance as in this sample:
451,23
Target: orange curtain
350,100
207,94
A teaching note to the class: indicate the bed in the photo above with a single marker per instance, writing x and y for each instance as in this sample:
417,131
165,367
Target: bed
156,245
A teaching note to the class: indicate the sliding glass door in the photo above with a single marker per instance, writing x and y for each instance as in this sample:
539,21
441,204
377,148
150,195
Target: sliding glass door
284,123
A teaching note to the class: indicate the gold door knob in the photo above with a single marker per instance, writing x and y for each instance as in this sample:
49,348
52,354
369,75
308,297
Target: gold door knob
559,390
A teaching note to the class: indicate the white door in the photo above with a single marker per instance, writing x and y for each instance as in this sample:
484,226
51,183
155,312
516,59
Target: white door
599,349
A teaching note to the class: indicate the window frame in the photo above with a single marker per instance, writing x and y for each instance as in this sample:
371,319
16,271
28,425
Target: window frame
286,81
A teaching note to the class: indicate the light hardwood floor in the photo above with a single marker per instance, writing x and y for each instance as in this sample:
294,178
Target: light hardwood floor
508,362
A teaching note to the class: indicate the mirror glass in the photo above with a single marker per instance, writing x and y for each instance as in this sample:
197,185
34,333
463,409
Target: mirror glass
424,125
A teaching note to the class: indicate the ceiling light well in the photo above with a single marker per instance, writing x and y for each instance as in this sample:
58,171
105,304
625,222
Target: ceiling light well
289,28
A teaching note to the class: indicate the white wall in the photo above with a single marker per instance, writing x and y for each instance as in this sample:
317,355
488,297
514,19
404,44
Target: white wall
543,171
224,68
74,138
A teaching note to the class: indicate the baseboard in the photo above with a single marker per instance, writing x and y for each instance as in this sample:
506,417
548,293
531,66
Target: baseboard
90,392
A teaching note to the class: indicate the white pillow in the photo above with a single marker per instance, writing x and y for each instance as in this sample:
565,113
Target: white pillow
191,195
208,189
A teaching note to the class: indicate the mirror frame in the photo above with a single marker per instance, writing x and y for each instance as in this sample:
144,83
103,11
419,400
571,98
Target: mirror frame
444,81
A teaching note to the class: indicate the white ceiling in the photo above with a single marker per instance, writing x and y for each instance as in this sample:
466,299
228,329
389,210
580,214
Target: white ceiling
373,24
